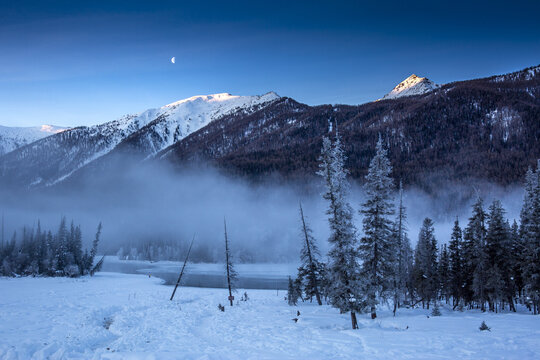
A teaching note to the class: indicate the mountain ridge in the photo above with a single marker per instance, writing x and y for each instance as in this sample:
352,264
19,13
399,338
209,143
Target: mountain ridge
444,133
73,149
14,137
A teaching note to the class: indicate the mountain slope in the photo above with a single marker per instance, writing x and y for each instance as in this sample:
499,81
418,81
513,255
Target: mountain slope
479,129
187,116
12,138
413,85
53,159
485,129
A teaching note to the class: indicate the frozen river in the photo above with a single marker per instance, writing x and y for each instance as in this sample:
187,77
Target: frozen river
250,276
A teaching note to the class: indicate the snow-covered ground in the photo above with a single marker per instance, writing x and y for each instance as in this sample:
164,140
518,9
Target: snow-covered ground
123,316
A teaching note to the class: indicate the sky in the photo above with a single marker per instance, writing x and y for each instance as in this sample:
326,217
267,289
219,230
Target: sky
72,63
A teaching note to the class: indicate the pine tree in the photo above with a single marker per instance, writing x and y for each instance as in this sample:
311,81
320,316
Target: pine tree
77,249
377,247
51,246
531,237
517,255
480,278
436,311
455,272
293,292
43,251
95,243
474,255
444,276
499,286
342,274
402,274
310,269
527,209
425,263
62,248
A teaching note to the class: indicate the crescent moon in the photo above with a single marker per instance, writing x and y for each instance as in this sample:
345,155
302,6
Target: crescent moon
173,59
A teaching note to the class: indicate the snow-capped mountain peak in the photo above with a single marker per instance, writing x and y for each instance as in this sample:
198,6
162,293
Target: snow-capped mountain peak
413,85
149,132
177,120
225,97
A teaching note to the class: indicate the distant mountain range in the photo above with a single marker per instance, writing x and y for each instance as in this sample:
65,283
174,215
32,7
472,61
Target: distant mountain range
12,138
55,158
483,129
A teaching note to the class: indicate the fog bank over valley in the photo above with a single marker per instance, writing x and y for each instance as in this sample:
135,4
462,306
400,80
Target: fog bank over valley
153,204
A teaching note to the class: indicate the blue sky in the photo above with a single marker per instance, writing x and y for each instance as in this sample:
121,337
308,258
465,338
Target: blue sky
79,63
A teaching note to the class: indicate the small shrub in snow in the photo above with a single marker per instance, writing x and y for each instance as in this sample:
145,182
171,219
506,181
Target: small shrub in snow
484,327
436,311
221,307
72,270
107,322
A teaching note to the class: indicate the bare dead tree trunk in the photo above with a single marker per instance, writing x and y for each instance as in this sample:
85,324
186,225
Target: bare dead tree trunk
183,267
311,264
228,263
98,266
353,320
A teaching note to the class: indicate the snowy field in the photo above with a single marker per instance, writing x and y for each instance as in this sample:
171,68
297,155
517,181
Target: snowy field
122,316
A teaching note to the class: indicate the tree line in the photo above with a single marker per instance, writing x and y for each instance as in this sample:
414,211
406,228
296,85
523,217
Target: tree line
490,264
41,252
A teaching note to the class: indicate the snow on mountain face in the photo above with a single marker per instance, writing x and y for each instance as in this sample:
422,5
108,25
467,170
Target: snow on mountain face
55,158
413,85
12,138
177,120
527,74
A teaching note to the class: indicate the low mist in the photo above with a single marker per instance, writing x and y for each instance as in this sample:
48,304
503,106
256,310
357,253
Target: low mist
151,202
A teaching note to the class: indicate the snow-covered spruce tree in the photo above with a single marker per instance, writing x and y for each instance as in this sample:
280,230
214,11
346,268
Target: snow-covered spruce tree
425,264
517,253
403,288
324,284
293,292
51,259
455,271
43,257
61,248
499,287
527,209
480,279
25,258
311,266
232,276
9,266
342,273
95,243
436,311
444,278
531,237
474,239
377,249
74,246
